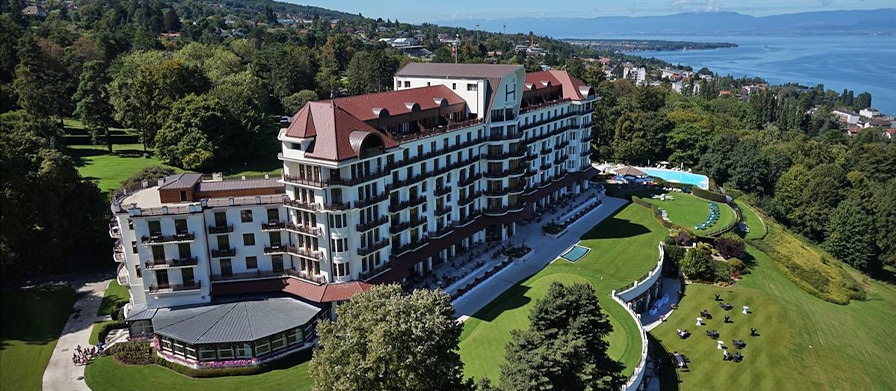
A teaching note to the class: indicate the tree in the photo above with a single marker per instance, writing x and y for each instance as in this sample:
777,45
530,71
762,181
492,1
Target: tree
386,339
730,246
149,174
747,167
371,71
199,134
697,265
93,107
885,218
286,69
863,101
293,103
42,81
851,238
48,211
564,347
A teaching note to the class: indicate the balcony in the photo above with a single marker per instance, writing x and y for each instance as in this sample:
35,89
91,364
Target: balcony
119,256
304,275
375,271
543,105
160,239
469,180
530,173
443,211
356,181
169,263
372,224
273,225
169,288
546,166
531,157
416,201
496,192
497,155
306,206
588,138
338,206
440,191
220,229
496,174
410,246
114,229
422,134
397,228
304,252
223,253
469,198
397,206
516,171
443,231
561,145
303,181
305,229
365,251
251,275
275,249
496,211
586,152
372,200
418,221
518,188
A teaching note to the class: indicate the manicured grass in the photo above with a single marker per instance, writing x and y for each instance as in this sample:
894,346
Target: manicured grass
106,374
805,343
624,247
116,295
95,331
753,221
689,211
94,162
31,324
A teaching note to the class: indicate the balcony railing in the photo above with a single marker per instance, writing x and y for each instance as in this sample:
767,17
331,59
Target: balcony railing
275,249
495,192
543,105
158,239
496,174
167,288
467,220
416,201
166,263
301,251
410,246
119,257
220,229
443,231
372,224
443,211
338,206
372,200
397,206
273,225
401,138
469,180
586,152
223,252
250,275
530,173
417,221
472,196
396,228
496,210
438,192
365,251
304,275
306,206
114,230
375,271
303,181
305,229
497,155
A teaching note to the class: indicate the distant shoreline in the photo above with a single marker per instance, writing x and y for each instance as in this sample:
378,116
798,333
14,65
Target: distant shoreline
643,45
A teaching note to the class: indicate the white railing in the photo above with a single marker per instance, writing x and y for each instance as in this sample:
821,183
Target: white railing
638,287
641,285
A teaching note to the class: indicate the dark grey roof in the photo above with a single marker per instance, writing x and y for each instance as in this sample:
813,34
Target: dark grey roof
180,181
140,312
457,71
232,322
259,183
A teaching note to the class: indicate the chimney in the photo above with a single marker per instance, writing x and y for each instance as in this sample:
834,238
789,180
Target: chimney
161,181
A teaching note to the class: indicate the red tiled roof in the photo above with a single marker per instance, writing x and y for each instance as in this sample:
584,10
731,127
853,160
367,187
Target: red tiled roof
573,88
331,126
397,102
326,293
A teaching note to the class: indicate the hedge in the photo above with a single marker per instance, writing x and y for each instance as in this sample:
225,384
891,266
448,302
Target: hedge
133,352
655,210
709,195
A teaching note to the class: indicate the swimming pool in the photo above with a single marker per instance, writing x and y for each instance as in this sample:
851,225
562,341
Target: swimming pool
701,181
575,253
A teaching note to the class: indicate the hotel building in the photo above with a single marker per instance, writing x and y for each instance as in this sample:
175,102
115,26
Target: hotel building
375,188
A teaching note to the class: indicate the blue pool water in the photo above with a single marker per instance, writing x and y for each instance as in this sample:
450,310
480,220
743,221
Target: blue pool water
701,181
575,253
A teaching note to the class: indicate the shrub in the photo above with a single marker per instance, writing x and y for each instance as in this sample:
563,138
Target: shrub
669,241
731,246
674,254
708,195
132,352
698,266
683,239
553,228
737,266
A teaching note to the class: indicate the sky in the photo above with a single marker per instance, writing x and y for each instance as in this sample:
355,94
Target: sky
429,11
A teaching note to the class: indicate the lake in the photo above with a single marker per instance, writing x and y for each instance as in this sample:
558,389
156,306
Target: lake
855,62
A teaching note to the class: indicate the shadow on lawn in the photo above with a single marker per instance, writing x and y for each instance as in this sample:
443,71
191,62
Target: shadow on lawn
668,376
614,227
514,297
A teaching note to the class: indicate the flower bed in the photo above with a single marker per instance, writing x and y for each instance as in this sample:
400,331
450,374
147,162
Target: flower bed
466,288
517,252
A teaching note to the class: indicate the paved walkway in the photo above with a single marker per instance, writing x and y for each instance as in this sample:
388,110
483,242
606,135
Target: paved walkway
61,374
546,250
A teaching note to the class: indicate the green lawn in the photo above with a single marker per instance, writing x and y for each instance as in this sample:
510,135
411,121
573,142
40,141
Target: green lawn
116,295
753,221
688,211
31,325
623,249
95,331
94,162
805,343
105,374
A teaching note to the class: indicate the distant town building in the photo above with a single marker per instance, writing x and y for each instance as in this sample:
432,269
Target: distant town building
869,112
634,73
848,117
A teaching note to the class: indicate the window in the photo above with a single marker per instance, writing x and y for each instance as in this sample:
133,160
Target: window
246,215
243,350
337,221
225,352
223,242
248,239
262,347
278,341
206,353
471,87
139,272
273,215
141,327
179,348
134,246
342,269
155,228
183,195
453,86
251,262
293,336
339,245
191,351
407,84
166,344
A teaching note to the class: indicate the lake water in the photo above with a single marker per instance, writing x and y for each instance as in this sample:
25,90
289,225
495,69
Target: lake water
854,62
